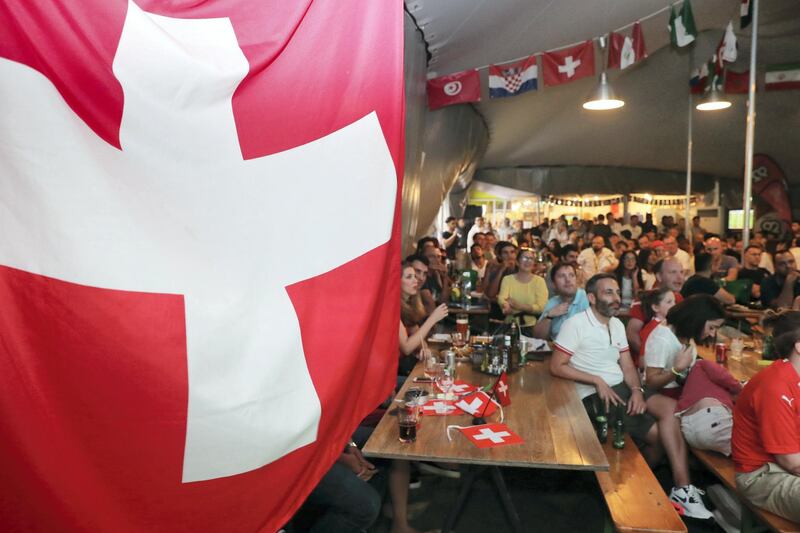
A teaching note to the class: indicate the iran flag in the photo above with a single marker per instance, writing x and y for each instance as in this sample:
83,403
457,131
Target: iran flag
170,358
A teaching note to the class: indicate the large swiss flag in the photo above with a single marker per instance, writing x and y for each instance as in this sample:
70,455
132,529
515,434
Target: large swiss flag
182,345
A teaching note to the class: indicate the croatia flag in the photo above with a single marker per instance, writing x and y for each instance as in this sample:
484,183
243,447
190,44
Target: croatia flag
160,368
513,79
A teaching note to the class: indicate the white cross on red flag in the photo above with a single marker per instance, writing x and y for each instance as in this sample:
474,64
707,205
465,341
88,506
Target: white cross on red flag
491,435
441,408
501,390
477,404
459,387
567,65
164,364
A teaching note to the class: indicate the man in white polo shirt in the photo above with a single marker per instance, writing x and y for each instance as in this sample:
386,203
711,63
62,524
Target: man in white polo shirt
592,350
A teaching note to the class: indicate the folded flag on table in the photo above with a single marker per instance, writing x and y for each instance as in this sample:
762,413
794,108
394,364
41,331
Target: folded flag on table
682,30
783,76
477,404
567,65
513,79
459,88
624,51
501,390
736,82
745,13
491,435
459,387
441,408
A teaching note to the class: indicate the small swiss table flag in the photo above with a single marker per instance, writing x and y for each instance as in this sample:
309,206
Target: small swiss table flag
502,391
477,404
491,435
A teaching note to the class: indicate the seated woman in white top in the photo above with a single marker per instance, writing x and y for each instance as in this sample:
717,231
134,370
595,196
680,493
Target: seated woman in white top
669,353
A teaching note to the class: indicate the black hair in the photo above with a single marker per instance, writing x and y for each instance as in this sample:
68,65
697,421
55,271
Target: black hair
417,257
757,246
591,285
689,317
567,248
559,266
422,241
785,331
702,262
651,298
449,219
626,233
498,248
644,258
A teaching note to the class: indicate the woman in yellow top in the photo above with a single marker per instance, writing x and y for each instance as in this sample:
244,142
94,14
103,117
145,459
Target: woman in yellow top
523,293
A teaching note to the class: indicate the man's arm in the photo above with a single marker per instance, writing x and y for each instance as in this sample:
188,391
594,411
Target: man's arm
725,297
636,405
632,331
448,241
733,274
789,462
786,297
542,328
559,367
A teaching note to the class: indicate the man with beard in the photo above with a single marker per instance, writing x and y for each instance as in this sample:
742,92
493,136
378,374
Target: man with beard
591,349
568,301
780,289
597,259
669,273
752,271
451,237
722,265
478,262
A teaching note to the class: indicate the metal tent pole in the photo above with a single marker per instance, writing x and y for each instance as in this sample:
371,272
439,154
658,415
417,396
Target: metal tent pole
751,129
688,221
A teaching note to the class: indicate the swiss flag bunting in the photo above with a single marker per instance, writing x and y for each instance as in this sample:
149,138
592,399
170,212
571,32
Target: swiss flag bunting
458,88
624,51
569,64
491,435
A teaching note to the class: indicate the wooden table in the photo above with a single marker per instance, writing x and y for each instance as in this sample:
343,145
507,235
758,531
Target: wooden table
545,411
745,368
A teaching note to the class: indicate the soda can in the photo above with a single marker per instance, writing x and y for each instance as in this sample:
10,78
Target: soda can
450,361
721,353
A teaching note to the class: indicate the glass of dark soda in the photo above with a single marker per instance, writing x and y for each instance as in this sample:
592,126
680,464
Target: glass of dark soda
407,419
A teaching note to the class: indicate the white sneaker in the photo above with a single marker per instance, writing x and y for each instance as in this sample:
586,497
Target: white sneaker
689,498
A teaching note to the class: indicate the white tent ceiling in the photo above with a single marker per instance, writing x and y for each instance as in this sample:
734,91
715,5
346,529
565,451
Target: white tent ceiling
549,127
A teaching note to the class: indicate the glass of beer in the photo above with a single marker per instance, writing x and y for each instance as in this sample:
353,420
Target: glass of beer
462,328
407,420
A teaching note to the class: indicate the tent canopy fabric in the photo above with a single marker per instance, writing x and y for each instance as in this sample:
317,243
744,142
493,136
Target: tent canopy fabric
549,128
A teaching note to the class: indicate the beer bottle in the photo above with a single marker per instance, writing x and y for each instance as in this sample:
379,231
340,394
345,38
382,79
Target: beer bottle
515,356
506,356
619,427
601,420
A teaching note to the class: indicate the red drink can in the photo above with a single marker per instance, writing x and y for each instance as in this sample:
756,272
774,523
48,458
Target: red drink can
721,352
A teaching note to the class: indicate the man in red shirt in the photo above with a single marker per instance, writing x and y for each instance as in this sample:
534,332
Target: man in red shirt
669,273
766,428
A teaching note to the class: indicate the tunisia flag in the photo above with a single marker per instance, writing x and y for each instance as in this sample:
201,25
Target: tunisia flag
569,64
458,88
170,358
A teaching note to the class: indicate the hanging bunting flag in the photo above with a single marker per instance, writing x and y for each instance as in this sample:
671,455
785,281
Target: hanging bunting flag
458,88
727,49
567,65
745,14
682,30
699,79
736,82
624,51
783,76
513,79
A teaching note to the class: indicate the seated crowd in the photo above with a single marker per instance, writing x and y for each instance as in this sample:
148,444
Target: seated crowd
570,282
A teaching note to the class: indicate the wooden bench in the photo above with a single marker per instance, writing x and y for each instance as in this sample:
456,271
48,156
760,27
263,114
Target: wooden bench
635,499
722,467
